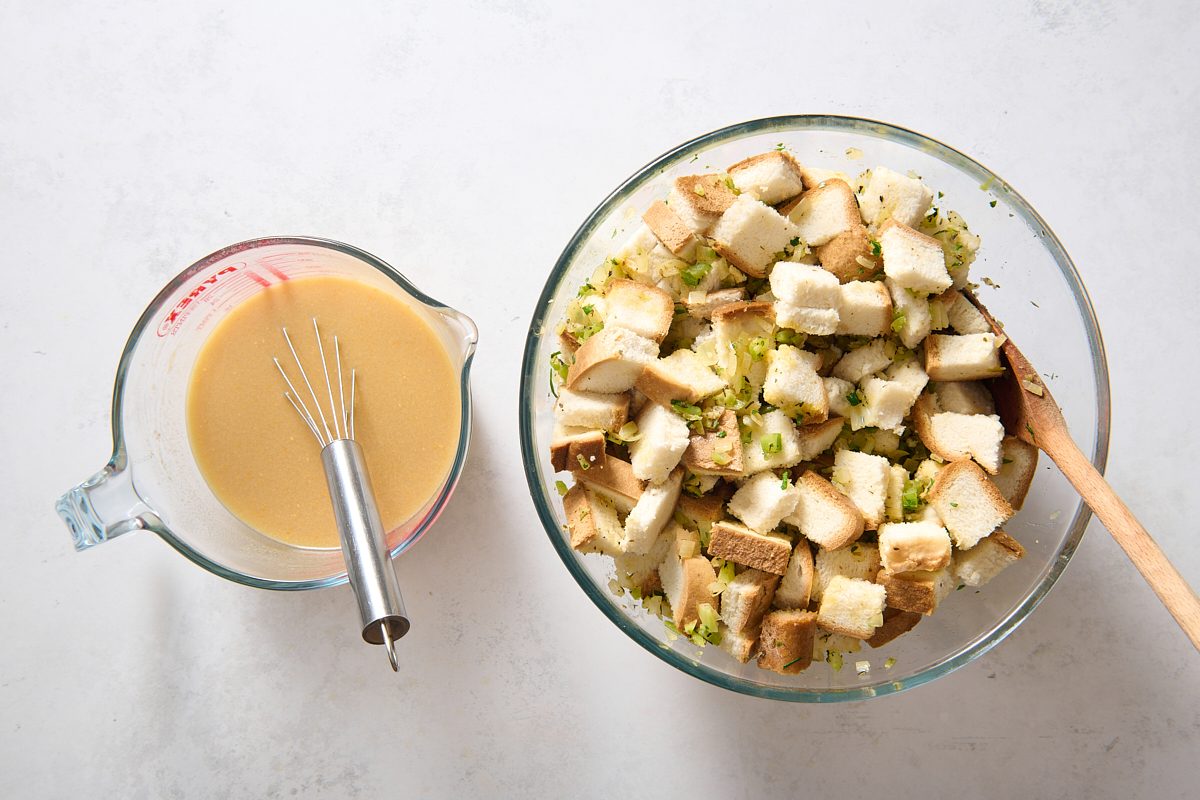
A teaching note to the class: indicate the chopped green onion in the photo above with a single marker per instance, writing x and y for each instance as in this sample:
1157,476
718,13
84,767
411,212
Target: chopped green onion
891,662
771,443
561,487
686,410
876,248
793,661
758,347
722,434
694,273
583,463
786,483
899,318
853,398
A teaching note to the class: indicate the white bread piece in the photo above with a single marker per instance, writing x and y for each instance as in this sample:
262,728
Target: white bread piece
795,588
639,243
671,230
955,437
889,401
569,445
751,235
960,313
701,304
825,212
863,478
919,591
818,437
967,357
592,521
970,505
913,260
683,375
739,544
793,384
719,451
804,285
771,177
851,607
963,397
576,409
1018,464
890,195
640,571
734,324
928,470
894,504
650,514
739,645
856,560
774,422
910,315
762,502
645,310
747,598
837,390
686,582
863,361
814,321
823,514
613,479
908,546
611,361
864,309
700,200
785,641
986,560
663,437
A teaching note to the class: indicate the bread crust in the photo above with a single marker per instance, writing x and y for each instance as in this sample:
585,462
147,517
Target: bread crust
713,198
739,544
840,255
785,641
568,450
699,455
614,478
640,293
910,591
896,622
852,525
669,228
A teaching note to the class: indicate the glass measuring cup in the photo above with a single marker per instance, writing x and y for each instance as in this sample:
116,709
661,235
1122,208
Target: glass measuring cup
152,482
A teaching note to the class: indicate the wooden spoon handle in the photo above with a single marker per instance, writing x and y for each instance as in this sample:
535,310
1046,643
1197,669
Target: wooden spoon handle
1142,550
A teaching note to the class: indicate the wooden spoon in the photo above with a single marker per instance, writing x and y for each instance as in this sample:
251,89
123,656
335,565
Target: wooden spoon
1030,413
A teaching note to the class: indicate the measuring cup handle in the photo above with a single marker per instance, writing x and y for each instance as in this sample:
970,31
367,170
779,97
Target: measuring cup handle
101,508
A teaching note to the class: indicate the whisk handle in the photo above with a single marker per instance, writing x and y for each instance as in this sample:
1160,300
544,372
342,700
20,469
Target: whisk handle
364,544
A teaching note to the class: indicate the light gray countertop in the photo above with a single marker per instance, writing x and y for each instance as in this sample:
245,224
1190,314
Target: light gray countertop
464,143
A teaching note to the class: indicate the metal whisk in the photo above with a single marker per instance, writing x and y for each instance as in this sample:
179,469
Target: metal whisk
364,545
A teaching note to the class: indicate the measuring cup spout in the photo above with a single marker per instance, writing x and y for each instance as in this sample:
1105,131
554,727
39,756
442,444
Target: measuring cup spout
103,507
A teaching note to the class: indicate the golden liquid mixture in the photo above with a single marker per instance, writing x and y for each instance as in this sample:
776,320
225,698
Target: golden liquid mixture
260,459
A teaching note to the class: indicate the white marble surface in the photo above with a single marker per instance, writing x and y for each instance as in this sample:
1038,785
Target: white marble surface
464,143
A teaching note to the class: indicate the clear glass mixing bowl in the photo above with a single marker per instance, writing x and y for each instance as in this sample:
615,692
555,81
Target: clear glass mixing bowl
1038,295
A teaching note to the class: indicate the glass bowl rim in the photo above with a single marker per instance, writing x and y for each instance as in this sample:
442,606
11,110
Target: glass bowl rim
119,459
791,123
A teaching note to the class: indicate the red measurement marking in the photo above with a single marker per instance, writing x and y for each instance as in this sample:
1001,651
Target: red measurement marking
176,313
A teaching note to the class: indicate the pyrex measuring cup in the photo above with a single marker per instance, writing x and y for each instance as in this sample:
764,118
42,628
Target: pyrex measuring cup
152,481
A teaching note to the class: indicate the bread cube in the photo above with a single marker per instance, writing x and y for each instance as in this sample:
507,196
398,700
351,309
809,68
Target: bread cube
919,591
987,559
573,447
700,200
913,260
611,361
686,583
863,478
795,587
964,397
645,310
608,412
910,315
739,544
739,645
762,502
786,641
968,357
851,607
701,304
823,514
1018,463
895,624
634,571
825,212
850,256
818,437
955,437
970,505
858,560
864,309
889,401
908,546
639,243
747,598
804,285
592,521
863,361
771,177
838,391
890,195
773,445
718,451
736,323
682,375
650,514
612,478
793,384
959,313
813,321
675,234
663,435
752,236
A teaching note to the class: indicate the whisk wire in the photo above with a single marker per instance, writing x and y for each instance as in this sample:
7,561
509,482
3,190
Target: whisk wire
328,386
304,374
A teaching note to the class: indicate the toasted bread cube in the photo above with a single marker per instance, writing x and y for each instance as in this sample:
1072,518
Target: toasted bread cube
851,607
752,236
686,583
823,514
734,325
607,412
662,437
773,445
718,451
864,309
573,447
895,623
969,357
741,545
804,285
863,478
651,514
645,310
771,177
964,397
913,260
793,384
910,315
838,391
614,479
671,230
860,362
849,256
957,312
592,521
814,321
856,560
970,505
762,502
918,591
890,195
908,546
818,437
700,200
701,304
682,375
987,559
611,361
747,598
955,437
795,587
889,401
739,645
1018,463
825,212
786,641
639,243
639,572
